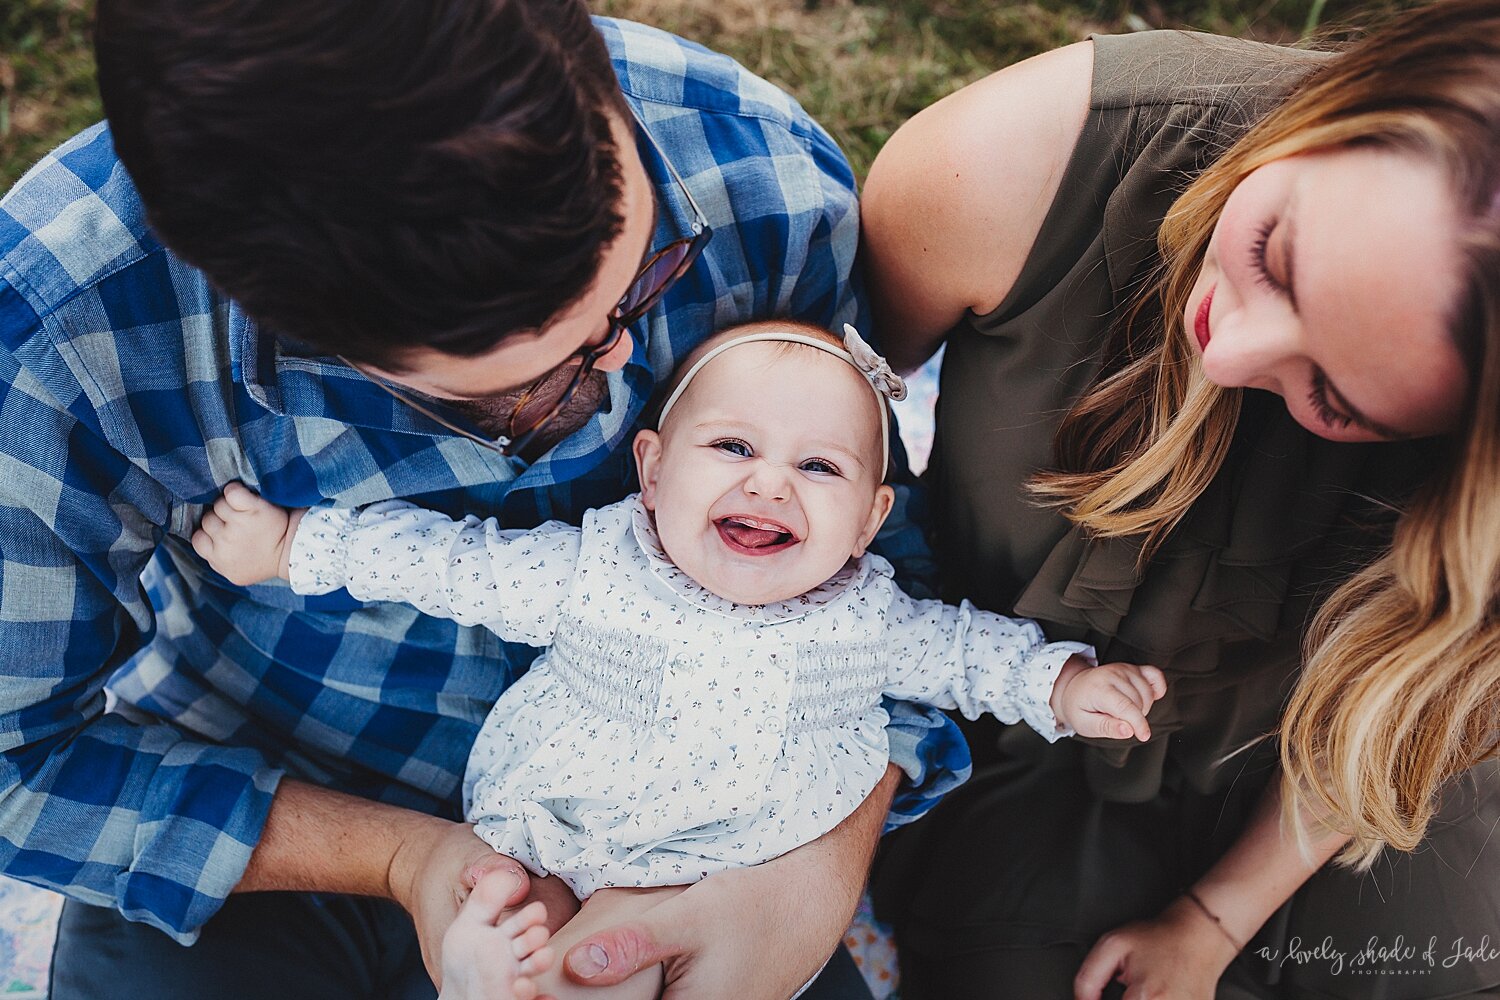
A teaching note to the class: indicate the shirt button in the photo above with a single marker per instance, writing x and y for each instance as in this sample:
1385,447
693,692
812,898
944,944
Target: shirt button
773,724
666,726
683,664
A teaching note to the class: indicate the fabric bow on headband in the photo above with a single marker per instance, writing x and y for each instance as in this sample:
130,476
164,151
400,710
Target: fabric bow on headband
876,370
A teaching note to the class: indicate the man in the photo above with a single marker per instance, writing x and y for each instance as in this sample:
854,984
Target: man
434,250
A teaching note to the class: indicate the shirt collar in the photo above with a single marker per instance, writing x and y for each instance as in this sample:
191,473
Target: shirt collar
693,592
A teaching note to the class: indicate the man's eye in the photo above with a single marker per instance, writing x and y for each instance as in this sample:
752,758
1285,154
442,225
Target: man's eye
820,466
733,447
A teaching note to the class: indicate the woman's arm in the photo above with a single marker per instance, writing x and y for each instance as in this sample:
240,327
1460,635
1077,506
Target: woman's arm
1181,953
955,200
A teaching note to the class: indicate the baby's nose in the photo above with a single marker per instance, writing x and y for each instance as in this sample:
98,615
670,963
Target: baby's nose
768,480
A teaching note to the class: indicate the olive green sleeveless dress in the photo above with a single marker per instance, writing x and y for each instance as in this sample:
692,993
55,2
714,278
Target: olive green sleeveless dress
1003,889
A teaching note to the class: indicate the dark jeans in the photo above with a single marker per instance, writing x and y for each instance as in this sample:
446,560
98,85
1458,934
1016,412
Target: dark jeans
279,946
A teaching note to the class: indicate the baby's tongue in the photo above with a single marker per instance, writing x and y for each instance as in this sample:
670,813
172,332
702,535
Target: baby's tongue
750,538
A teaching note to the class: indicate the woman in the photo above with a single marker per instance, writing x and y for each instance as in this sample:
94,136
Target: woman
1221,393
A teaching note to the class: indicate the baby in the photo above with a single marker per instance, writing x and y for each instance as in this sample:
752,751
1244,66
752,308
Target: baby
717,645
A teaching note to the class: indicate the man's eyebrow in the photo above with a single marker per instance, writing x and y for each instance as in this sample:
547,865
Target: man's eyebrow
1355,414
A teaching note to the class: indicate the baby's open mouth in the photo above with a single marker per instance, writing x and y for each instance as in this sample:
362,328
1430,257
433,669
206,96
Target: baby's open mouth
754,535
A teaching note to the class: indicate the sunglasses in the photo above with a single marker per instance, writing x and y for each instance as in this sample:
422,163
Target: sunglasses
540,402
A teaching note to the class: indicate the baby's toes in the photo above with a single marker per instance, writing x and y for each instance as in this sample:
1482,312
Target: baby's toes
537,962
529,940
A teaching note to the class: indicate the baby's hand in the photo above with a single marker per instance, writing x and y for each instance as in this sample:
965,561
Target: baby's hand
1110,700
247,539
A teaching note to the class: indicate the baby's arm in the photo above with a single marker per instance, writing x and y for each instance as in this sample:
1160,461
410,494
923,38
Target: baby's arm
978,662
514,582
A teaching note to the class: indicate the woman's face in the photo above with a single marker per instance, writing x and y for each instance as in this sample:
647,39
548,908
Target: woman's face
1329,280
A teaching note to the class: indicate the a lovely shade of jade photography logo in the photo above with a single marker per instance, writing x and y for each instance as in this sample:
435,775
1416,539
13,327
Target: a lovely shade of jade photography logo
1396,957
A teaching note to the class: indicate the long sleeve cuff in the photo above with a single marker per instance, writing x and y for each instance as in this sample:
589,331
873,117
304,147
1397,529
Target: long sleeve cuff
319,560
1033,696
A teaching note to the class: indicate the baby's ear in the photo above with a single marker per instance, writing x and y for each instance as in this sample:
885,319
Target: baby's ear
880,509
647,449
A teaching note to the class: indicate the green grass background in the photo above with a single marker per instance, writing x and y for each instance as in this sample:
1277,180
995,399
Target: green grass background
861,67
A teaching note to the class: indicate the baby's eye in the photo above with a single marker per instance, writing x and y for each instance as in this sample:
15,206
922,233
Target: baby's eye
733,447
821,466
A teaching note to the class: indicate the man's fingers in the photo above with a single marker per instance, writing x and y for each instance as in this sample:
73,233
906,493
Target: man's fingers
479,871
1098,968
492,896
617,953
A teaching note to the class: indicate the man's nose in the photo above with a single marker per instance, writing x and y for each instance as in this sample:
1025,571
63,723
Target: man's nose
618,355
768,480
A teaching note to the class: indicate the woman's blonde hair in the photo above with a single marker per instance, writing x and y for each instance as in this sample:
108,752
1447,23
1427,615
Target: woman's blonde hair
1400,690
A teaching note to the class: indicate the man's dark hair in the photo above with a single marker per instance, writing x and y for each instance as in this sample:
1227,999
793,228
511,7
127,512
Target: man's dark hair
371,176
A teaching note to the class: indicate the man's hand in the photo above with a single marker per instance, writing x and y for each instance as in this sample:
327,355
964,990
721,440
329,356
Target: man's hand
432,876
246,539
1110,700
754,933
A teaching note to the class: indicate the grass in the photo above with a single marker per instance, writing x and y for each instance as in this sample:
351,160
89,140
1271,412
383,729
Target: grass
861,67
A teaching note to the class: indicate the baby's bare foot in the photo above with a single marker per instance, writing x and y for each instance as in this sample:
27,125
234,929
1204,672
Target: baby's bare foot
491,955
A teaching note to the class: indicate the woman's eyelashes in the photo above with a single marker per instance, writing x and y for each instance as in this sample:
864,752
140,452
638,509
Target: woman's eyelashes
1318,397
1258,261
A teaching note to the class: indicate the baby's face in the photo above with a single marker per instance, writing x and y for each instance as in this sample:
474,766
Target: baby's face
766,477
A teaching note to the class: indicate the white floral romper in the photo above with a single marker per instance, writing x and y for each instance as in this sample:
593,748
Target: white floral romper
668,733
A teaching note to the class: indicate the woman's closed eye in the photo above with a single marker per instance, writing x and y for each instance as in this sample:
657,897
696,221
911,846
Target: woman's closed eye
1322,406
1258,248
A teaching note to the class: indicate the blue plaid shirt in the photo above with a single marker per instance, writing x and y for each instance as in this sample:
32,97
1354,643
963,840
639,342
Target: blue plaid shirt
148,707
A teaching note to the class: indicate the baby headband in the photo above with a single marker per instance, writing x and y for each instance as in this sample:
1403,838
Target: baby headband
886,383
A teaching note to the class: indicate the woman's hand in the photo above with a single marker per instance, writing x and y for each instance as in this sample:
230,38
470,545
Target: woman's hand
753,933
1179,955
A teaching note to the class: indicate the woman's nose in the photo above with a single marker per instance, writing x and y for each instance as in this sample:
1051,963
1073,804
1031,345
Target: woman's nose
1252,351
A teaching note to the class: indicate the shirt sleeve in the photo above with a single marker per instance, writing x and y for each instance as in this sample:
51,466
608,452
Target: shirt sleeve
106,810
977,662
513,582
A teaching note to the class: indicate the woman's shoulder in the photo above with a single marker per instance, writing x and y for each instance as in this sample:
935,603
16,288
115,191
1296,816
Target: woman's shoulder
957,196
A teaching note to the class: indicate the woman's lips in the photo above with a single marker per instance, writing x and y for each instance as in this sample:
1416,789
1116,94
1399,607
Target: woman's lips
1200,324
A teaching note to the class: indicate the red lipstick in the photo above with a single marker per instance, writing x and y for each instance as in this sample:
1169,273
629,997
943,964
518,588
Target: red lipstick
1200,324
